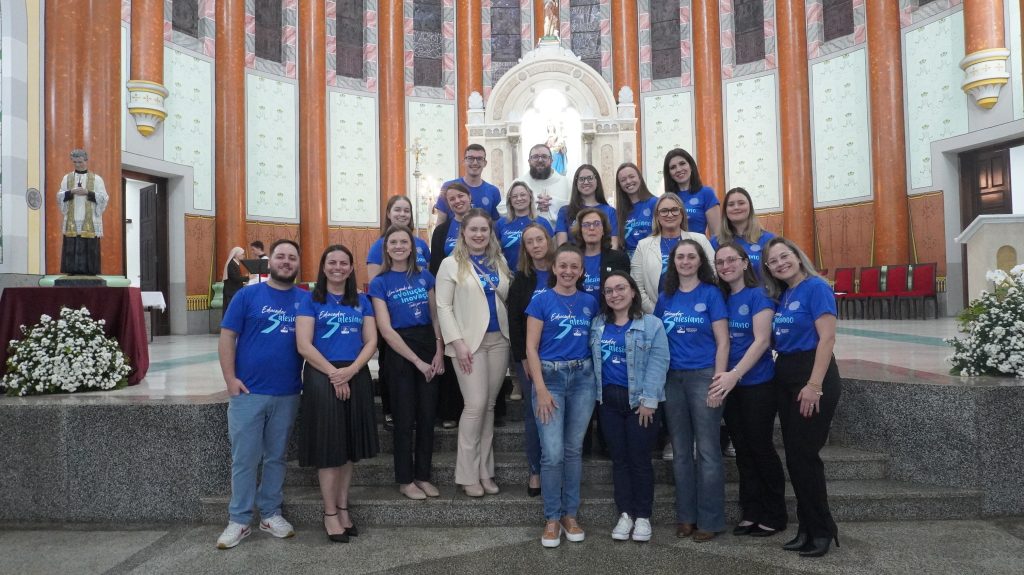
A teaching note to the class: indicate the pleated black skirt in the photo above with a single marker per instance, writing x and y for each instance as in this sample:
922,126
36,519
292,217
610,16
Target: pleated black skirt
333,432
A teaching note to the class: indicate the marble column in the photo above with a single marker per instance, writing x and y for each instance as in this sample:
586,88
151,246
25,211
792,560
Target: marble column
709,133
391,117
229,128
795,119
312,56
626,55
888,141
146,90
82,109
469,61
984,64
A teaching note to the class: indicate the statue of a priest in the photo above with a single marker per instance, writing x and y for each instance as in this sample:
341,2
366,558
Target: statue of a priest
82,199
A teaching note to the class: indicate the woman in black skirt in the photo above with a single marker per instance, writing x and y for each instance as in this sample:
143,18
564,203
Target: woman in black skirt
336,333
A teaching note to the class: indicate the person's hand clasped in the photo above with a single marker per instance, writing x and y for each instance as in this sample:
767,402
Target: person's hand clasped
721,384
426,369
438,364
343,391
809,401
543,202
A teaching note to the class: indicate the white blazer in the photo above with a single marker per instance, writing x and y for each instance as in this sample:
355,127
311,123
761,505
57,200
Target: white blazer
645,266
462,307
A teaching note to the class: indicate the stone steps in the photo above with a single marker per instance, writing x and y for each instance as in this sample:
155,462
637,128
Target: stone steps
511,469
850,500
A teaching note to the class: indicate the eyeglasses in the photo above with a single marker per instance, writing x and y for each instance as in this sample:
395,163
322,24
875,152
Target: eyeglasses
728,261
586,179
594,224
620,289
475,159
669,211
783,257
539,157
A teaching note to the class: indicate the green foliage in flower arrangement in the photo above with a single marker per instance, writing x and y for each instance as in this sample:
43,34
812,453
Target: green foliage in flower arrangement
64,355
994,324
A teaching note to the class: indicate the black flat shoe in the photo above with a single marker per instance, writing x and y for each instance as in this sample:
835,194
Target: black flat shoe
797,543
335,537
532,491
741,530
817,547
759,531
350,531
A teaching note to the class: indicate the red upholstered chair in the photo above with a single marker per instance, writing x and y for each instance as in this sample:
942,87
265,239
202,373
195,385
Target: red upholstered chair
922,289
869,291
895,286
843,287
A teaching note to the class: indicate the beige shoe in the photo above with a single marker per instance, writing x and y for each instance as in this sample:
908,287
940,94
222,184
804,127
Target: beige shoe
474,490
412,492
490,487
573,531
552,536
427,488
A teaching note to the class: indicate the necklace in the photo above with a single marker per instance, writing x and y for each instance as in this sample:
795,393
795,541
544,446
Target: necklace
334,298
571,307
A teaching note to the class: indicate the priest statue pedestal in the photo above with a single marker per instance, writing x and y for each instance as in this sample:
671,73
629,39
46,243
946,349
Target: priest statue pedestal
80,281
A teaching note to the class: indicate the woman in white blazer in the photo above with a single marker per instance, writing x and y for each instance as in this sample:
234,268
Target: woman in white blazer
650,260
472,285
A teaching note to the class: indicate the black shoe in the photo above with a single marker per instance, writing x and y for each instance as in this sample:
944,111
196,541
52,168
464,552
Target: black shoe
336,537
797,543
741,530
817,547
350,531
532,491
759,531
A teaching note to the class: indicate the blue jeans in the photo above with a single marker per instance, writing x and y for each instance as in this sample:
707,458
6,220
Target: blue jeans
700,483
531,441
571,384
258,426
630,446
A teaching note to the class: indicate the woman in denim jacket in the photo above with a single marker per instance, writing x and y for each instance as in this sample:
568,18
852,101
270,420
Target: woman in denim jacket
630,355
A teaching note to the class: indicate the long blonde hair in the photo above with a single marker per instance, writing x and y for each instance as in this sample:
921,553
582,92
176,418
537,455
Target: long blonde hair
231,255
774,287
511,215
753,232
493,255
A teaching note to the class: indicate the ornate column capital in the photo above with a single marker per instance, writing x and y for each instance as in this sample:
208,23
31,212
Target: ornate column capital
146,105
985,73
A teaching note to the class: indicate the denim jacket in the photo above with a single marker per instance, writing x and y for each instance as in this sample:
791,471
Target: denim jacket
646,359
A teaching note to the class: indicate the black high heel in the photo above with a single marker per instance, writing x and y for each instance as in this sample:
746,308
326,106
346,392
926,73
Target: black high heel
350,531
335,537
797,543
818,547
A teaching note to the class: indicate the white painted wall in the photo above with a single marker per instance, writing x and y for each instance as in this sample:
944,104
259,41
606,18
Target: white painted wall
131,230
1017,179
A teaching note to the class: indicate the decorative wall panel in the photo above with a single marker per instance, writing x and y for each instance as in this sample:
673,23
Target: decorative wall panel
289,37
200,269
505,38
668,124
752,139
569,13
936,106
928,228
647,73
353,159
368,82
358,240
205,42
271,147
432,125
842,143
816,44
415,42
729,67
845,235
188,129
911,11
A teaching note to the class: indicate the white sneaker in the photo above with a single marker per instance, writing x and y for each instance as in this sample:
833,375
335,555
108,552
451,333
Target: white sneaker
277,526
622,528
642,529
667,454
233,535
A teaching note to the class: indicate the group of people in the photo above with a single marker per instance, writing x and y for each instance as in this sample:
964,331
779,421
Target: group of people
632,311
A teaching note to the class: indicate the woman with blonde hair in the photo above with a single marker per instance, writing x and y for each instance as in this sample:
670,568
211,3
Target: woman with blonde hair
233,278
741,226
472,285
521,213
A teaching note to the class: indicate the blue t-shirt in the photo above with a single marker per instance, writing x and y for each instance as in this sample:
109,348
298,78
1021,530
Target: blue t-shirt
793,326
666,248
639,223
613,355
338,330
266,358
376,253
688,317
566,333
486,196
489,279
453,235
754,251
542,282
592,274
697,205
408,299
562,223
743,306
510,234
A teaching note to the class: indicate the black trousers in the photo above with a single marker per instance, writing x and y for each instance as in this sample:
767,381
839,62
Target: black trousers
450,404
413,398
804,437
750,414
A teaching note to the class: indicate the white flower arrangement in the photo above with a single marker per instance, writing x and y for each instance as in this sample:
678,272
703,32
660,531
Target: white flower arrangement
65,355
994,324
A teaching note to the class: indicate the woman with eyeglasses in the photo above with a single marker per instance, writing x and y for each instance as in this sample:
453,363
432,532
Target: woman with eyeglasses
703,211
743,228
697,325
650,260
751,397
599,257
635,206
630,355
587,192
564,389
808,384
521,213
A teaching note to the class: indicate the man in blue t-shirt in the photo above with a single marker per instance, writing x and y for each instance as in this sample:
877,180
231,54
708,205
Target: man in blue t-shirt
262,369
486,196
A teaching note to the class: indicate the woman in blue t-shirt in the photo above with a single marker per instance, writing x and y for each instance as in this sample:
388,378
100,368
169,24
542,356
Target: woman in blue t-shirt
807,378
635,206
630,355
741,226
696,322
703,212
751,406
521,213
403,301
587,192
336,334
564,389
591,234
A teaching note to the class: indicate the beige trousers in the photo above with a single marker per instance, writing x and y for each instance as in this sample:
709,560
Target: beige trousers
474,459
